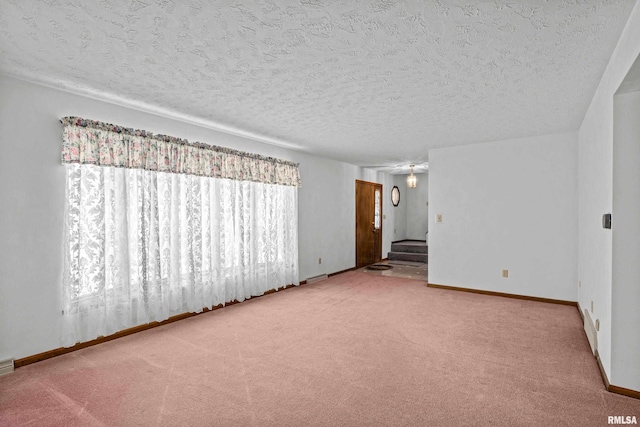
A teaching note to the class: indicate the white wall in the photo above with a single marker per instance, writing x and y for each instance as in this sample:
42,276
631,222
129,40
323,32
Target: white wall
506,205
32,200
326,216
595,193
400,211
412,213
625,295
417,209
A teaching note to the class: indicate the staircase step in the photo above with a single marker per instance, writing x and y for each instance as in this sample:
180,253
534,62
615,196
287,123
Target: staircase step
403,247
407,256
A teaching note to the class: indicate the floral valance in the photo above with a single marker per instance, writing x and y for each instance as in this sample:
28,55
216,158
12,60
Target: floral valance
103,144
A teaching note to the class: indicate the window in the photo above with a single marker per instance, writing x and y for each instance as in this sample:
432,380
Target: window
142,244
377,210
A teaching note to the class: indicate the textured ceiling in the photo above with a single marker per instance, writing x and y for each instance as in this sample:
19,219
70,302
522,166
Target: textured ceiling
367,82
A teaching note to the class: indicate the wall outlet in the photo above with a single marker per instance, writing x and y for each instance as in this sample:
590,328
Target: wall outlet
438,218
505,273
319,260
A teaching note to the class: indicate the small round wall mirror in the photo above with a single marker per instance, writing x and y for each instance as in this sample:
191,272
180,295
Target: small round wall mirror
395,195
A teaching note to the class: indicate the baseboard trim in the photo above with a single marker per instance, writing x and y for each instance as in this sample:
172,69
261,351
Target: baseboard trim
603,374
580,312
635,394
129,331
501,294
342,271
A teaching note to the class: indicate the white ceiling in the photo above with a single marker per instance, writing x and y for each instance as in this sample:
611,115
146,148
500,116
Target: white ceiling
368,82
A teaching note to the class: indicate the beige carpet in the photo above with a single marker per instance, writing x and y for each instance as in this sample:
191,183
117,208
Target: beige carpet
354,350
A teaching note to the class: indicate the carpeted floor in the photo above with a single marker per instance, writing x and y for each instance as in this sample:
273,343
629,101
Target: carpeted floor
354,350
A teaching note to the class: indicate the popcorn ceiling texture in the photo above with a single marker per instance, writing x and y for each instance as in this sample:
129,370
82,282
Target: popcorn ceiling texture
368,82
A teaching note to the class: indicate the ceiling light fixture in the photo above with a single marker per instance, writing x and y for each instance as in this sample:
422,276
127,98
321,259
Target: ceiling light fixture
411,179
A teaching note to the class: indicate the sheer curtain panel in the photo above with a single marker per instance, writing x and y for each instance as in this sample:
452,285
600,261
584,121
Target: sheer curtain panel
144,243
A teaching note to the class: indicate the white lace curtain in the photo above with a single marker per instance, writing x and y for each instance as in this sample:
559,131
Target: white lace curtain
142,245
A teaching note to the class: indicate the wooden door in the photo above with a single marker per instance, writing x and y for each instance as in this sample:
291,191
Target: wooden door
368,223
